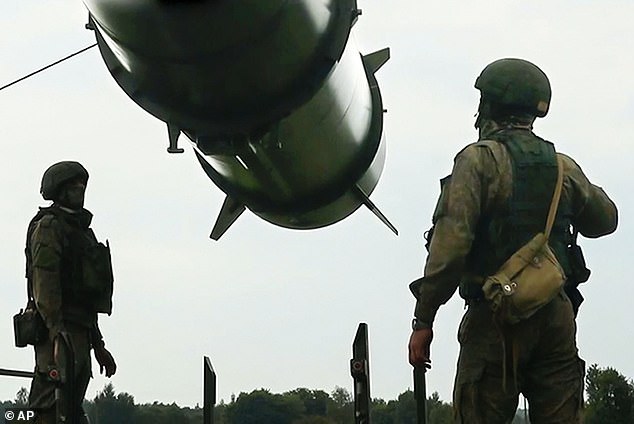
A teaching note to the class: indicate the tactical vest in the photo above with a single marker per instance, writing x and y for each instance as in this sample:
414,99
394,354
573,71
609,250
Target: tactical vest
501,232
86,268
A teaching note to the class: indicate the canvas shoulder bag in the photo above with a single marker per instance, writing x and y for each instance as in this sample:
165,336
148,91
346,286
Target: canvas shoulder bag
531,277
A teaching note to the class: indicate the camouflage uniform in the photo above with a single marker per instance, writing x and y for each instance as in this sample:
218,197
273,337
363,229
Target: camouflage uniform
55,241
539,352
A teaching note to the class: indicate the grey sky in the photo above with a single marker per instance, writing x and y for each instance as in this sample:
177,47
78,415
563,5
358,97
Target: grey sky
276,308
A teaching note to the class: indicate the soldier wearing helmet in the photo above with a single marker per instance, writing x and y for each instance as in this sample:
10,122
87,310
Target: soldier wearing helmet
496,198
69,277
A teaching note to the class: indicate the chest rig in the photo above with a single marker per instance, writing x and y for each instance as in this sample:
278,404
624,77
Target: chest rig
511,225
85,269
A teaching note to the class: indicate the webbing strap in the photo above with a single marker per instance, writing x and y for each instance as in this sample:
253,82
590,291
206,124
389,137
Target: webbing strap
555,202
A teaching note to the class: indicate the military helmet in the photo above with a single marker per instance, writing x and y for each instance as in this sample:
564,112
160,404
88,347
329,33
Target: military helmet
58,174
517,85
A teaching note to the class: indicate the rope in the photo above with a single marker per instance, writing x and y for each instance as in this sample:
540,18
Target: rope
47,66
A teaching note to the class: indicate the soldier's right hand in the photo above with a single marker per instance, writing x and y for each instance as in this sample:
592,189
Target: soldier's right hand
419,347
105,360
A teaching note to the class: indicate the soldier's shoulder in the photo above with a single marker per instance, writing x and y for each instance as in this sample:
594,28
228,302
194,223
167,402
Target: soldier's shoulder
467,150
567,160
477,146
482,151
45,223
570,166
47,220
492,145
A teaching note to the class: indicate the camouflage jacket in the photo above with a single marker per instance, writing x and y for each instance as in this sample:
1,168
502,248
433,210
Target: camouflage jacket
51,250
481,182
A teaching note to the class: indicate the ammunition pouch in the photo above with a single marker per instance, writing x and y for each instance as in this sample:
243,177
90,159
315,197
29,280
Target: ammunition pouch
528,280
579,273
97,277
28,326
575,296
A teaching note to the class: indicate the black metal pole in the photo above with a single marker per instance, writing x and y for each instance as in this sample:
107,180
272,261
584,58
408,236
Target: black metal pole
16,373
209,391
360,370
420,393
65,393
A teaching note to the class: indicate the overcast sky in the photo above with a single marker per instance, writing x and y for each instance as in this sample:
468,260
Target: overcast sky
276,308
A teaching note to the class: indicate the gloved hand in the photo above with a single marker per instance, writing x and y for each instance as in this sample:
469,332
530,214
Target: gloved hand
105,360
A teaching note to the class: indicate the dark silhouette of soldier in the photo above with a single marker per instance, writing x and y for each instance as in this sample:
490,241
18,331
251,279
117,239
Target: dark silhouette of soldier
70,277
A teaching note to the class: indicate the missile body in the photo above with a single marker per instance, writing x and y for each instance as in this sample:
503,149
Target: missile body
283,113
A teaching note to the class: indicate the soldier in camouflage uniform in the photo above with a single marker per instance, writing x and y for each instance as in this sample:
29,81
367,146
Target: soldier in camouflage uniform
479,222
70,278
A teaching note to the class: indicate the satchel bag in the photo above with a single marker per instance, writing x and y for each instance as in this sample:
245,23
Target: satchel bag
28,326
531,277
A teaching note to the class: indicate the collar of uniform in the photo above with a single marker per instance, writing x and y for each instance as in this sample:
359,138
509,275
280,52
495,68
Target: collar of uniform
80,218
489,127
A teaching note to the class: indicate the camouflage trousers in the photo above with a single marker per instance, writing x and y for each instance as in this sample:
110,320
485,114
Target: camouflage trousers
42,397
536,357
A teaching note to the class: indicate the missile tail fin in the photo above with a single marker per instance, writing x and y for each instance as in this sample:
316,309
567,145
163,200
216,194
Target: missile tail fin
231,210
374,61
370,205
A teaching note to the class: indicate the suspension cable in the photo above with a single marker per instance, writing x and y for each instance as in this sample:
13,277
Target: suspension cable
47,66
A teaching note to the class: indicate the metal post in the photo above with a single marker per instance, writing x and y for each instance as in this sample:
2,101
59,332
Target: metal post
420,394
360,370
16,373
65,392
209,391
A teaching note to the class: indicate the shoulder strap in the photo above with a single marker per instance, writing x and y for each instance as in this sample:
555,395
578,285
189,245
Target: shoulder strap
555,202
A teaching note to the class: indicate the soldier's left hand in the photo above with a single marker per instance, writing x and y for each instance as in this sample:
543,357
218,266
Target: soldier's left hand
106,361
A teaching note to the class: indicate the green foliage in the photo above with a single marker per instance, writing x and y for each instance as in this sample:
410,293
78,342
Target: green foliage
21,398
341,397
403,410
161,413
315,401
439,412
340,406
6,404
110,409
263,407
610,397
610,400
382,412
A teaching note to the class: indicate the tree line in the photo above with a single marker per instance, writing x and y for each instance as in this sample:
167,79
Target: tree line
609,399
299,406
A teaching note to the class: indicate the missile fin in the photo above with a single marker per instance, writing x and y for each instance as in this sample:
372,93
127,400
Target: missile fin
374,61
370,205
231,210
355,14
